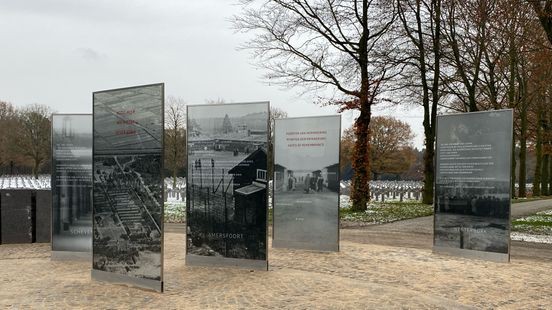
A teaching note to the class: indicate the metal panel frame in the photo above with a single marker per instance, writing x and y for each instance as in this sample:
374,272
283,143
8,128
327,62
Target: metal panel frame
210,261
324,247
77,255
117,278
466,253
100,275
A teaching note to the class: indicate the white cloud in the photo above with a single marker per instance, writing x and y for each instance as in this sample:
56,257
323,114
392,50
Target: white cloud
89,54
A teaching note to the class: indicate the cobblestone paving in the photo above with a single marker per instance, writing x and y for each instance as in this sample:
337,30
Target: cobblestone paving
360,276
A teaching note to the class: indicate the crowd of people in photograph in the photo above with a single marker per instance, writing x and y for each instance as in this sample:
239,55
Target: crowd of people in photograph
310,183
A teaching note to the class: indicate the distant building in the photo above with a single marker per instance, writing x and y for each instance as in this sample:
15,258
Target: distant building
250,181
252,132
331,175
280,178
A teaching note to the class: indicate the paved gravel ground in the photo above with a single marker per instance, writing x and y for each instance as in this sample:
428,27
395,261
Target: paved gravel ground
382,266
362,275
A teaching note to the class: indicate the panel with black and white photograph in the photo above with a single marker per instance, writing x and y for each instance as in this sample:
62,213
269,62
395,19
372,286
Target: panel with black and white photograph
472,189
72,183
128,182
306,183
227,181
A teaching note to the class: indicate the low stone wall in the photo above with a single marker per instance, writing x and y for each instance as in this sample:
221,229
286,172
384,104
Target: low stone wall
25,216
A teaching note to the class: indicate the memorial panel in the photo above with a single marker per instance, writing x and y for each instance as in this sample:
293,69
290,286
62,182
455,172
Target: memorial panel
128,186
16,216
306,183
228,185
71,185
472,187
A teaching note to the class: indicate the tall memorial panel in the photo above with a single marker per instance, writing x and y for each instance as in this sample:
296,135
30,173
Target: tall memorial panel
127,242
227,191
306,183
71,186
16,216
472,187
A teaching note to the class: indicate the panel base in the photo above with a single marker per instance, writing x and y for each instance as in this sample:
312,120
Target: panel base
115,278
489,256
308,246
67,255
215,261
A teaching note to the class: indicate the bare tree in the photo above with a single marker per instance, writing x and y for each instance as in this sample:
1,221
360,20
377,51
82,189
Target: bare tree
33,135
421,21
338,45
175,135
543,8
7,127
466,33
275,113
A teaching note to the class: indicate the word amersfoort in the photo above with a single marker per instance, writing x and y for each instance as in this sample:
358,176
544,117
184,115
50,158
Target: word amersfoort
471,230
223,236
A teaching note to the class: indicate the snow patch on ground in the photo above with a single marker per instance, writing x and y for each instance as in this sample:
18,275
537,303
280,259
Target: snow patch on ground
175,211
517,236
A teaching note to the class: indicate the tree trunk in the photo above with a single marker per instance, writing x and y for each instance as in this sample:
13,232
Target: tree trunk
429,169
523,150
538,155
544,175
522,167
35,168
512,59
513,168
430,112
549,176
360,191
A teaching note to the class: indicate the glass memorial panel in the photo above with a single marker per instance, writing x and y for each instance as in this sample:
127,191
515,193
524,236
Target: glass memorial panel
472,187
128,186
227,185
71,184
306,183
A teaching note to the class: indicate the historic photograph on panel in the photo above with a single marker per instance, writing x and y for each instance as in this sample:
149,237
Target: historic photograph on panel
227,180
128,181
472,207
72,182
306,183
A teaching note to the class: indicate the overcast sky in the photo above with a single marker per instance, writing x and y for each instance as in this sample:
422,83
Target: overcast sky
57,52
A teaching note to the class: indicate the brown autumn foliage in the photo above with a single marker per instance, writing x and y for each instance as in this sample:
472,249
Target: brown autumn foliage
391,149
